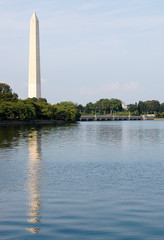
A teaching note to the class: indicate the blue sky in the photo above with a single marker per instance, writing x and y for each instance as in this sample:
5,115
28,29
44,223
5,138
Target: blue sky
90,49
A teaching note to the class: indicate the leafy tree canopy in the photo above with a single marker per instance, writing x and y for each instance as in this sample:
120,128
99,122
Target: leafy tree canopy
6,93
32,108
67,104
132,107
162,107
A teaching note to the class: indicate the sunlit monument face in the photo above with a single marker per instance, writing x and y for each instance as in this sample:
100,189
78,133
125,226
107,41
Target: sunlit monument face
34,85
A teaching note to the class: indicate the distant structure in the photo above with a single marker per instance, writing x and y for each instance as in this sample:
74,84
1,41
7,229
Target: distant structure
124,106
34,84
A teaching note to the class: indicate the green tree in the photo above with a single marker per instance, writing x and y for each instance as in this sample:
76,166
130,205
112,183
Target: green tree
67,104
103,106
132,107
152,106
89,108
34,107
80,108
41,100
115,104
5,88
6,93
141,107
162,107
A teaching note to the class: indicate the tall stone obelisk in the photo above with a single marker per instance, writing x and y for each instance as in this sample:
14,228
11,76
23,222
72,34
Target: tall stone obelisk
34,84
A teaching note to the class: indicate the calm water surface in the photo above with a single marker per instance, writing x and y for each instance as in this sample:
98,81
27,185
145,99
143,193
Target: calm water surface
94,180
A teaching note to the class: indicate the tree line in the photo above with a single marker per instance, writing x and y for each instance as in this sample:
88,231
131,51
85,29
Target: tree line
13,108
115,106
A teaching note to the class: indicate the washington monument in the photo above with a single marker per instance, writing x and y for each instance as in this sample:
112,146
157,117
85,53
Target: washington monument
34,85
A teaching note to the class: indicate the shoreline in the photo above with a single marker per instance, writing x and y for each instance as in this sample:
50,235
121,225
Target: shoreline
44,122
32,122
158,119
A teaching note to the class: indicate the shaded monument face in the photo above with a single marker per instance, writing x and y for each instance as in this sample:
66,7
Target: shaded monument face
34,85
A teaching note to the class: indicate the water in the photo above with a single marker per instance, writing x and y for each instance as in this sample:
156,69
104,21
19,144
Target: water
94,180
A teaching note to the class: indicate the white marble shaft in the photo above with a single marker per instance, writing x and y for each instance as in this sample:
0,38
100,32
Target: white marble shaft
34,85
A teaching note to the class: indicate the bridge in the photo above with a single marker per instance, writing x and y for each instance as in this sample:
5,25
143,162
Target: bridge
114,118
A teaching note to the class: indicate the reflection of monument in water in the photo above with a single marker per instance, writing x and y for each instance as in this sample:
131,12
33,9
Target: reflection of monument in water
33,183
